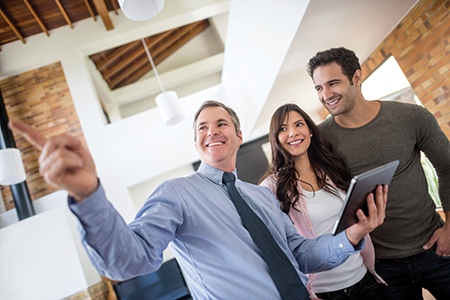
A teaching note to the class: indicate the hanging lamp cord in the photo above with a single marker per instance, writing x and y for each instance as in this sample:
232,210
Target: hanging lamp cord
153,65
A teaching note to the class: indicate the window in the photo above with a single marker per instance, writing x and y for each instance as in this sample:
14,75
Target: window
389,82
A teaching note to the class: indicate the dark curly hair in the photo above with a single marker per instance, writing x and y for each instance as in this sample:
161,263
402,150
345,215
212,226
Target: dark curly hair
323,160
345,58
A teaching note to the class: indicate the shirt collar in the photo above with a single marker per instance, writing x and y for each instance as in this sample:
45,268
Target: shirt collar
213,174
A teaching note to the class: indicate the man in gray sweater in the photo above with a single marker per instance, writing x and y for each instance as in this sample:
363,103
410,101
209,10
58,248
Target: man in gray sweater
413,245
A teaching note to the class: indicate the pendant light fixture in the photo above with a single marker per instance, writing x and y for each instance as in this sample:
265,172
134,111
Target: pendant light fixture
167,101
141,10
11,167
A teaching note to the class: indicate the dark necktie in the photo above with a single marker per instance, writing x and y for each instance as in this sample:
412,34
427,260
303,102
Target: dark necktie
281,270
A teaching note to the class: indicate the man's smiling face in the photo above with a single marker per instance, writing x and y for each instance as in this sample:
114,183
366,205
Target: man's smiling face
216,139
336,93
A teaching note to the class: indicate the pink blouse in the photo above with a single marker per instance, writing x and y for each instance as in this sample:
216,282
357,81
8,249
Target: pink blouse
302,222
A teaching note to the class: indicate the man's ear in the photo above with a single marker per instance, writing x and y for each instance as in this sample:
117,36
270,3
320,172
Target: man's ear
240,137
357,78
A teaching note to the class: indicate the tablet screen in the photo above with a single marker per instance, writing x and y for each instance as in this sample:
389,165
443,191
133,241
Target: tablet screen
360,186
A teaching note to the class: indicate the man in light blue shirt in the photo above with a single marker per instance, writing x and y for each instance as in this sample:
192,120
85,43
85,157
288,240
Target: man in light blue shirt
195,216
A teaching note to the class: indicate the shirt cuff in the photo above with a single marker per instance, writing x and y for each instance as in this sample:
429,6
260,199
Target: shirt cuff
344,244
93,210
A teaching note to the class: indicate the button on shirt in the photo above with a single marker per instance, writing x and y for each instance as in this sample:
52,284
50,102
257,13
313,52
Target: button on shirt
195,215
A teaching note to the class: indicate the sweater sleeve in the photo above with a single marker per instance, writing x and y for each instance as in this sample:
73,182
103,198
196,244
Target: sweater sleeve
436,146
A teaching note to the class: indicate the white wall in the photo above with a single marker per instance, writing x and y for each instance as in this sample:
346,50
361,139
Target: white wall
134,149
256,46
41,259
132,154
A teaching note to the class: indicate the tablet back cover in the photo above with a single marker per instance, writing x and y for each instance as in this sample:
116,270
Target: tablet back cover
360,186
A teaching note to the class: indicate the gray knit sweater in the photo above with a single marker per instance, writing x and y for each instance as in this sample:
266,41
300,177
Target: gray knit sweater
399,131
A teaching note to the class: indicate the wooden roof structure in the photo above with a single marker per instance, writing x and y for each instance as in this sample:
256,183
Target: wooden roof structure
127,63
20,19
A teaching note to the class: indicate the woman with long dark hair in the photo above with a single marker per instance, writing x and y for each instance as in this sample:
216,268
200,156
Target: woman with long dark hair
310,182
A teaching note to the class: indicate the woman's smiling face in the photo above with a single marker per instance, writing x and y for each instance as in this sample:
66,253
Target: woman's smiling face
294,135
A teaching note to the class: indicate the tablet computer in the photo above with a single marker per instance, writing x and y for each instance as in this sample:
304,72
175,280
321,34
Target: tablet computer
360,186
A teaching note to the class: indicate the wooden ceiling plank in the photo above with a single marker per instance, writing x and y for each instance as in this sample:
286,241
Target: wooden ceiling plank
194,31
122,65
117,55
131,72
89,8
131,76
114,57
11,25
135,75
114,5
172,41
126,64
155,39
100,5
36,17
182,35
141,67
64,13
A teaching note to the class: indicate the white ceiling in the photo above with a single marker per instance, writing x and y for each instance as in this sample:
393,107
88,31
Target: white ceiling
282,37
360,25
304,27
267,46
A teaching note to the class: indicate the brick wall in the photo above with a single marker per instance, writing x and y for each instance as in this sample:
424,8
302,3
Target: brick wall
99,291
421,46
39,98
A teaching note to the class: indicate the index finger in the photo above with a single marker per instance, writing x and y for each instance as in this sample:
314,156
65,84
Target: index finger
29,133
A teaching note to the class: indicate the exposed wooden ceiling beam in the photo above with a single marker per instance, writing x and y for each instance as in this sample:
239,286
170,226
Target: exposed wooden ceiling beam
113,2
122,69
170,79
102,10
36,17
115,58
141,65
114,71
89,8
179,37
117,55
127,63
11,25
64,13
128,57
128,75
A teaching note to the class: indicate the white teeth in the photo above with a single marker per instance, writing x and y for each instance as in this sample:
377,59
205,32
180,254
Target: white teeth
333,102
295,142
215,144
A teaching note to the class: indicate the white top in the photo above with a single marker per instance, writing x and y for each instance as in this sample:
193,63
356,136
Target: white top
323,209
